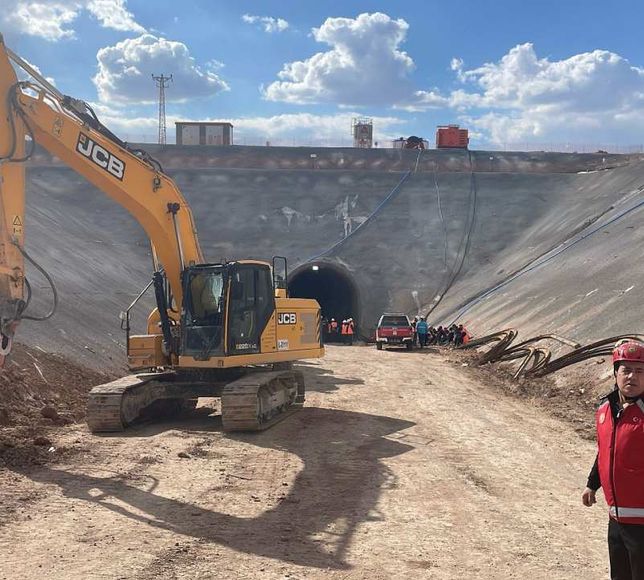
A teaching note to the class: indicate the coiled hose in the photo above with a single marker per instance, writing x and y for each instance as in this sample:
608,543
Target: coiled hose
536,360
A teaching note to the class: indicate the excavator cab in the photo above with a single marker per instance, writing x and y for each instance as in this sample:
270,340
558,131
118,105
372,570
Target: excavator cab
203,314
226,308
251,305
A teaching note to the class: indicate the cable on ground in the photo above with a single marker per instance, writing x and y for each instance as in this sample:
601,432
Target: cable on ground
536,361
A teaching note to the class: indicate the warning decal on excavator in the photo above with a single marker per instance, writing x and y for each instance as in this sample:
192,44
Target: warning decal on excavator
17,225
57,128
282,344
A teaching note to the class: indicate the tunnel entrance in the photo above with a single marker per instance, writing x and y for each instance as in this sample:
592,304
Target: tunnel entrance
330,286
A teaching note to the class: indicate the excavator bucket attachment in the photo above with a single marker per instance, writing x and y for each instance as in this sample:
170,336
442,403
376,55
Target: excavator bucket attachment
12,207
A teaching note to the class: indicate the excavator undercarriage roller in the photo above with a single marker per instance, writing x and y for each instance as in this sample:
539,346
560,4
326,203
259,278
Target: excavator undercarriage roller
260,400
251,403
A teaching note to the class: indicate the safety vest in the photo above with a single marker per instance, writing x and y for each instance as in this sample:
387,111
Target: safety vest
344,328
621,461
350,327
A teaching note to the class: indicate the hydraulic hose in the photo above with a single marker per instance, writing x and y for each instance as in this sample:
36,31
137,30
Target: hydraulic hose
12,105
51,283
544,259
373,214
537,360
600,348
466,239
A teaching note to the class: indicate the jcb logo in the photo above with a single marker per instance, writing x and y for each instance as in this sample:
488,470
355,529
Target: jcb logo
287,318
99,155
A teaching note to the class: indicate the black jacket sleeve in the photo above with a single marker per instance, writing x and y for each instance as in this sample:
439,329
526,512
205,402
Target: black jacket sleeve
593,477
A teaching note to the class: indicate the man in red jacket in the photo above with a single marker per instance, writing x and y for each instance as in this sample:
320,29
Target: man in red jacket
619,466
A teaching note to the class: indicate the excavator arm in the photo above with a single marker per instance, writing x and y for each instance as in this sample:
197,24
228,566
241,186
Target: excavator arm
36,112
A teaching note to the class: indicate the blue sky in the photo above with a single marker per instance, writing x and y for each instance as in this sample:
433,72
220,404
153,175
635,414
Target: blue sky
521,73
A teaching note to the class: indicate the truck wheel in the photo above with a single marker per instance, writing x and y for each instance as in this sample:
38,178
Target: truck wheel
409,346
379,345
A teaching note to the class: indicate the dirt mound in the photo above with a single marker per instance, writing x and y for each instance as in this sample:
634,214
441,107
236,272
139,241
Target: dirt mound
39,391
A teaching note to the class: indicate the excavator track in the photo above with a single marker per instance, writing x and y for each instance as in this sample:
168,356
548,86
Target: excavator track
251,403
113,406
259,400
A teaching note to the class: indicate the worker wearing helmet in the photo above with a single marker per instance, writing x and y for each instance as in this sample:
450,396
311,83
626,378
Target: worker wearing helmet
619,466
421,329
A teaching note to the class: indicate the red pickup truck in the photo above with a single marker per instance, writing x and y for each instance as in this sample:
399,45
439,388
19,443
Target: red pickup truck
394,330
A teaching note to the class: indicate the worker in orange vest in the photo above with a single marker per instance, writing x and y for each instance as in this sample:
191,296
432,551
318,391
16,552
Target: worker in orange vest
344,330
350,330
466,336
333,329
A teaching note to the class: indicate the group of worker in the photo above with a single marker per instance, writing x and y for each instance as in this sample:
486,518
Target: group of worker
342,332
425,335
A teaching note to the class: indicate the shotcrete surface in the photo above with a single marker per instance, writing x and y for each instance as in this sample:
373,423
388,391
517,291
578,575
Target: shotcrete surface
401,255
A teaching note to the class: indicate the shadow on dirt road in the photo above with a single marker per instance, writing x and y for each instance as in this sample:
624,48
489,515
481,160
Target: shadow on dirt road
314,520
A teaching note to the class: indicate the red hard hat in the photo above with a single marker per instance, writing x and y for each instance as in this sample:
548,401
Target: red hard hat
630,351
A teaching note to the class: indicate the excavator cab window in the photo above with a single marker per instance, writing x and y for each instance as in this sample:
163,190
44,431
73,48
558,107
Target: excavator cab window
251,305
204,312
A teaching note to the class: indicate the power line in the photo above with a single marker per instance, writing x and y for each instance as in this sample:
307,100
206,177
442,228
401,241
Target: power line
162,83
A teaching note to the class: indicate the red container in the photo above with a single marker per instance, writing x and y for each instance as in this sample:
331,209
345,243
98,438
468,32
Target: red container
451,136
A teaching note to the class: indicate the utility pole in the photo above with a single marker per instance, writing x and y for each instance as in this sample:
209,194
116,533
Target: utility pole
162,82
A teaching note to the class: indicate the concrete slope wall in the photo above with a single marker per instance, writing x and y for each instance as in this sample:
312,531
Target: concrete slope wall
399,258
588,288
513,219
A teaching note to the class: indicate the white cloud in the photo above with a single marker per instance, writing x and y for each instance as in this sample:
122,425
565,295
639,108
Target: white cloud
589,96
125,69
113,14
306,127
289,129
116,120
47,19
456,64
364,67
51,19
423,100
269,23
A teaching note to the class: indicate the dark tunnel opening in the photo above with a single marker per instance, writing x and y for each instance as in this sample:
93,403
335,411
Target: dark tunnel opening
332,288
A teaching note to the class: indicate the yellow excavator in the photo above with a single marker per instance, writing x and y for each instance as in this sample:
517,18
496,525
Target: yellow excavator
223,330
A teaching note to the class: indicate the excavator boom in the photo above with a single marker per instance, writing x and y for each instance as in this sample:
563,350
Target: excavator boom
68,129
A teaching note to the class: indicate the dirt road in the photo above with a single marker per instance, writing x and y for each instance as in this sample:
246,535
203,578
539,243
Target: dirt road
401,466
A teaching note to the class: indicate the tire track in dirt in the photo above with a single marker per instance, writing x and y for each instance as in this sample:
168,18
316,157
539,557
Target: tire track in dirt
400,466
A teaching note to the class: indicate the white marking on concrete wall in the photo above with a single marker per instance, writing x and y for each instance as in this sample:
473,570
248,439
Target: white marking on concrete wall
343,214
289,213
343,263
414,295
